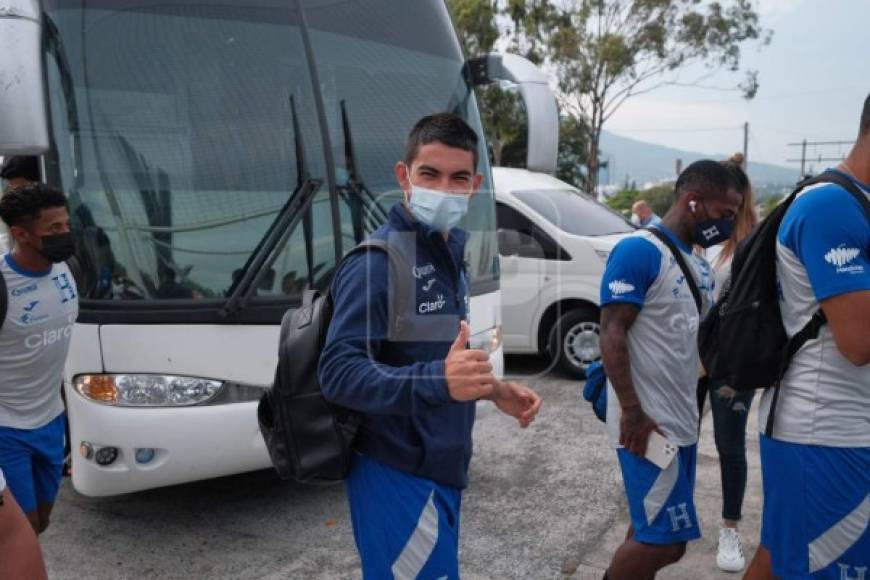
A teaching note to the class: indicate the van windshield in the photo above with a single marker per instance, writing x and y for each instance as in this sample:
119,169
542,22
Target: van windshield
575,212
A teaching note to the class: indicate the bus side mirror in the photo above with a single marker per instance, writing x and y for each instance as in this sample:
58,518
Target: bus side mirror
23,119
540,103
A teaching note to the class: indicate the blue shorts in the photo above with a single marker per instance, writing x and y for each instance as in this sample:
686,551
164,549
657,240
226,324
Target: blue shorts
816,509
32,461
661,502
405,526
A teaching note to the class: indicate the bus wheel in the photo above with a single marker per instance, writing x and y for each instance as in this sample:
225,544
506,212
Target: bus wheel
574,341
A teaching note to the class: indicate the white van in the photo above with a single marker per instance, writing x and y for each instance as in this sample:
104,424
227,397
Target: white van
554,241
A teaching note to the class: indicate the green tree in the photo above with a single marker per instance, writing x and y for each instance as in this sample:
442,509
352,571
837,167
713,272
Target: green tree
500,107
475,22
573,145
603,52
659,197
622,201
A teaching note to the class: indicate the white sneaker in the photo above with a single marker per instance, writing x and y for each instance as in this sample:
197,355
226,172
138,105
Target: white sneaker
729,557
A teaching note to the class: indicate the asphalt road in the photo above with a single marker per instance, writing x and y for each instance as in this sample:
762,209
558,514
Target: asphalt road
544,503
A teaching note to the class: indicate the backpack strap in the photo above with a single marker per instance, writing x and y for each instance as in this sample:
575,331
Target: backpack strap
401,284
4,299
808,332
687,272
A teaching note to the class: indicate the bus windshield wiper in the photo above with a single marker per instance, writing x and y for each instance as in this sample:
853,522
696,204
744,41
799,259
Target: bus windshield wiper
255,268
363,198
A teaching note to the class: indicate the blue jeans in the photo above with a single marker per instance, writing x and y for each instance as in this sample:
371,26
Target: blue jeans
730,411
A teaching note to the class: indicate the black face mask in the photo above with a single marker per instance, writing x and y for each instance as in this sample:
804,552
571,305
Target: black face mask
58,247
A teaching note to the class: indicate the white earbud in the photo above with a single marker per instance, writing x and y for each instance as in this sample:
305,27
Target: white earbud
692,205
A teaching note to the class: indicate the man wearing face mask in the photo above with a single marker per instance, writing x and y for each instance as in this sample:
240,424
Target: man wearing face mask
649,329
416,391
42,306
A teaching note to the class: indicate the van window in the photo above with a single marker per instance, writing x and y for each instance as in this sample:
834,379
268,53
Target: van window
519,236
575,212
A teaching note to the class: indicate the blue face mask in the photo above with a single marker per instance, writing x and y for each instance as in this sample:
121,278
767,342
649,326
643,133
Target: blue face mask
439,210
710,232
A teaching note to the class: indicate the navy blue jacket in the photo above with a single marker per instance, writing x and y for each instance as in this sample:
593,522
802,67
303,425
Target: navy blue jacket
410,422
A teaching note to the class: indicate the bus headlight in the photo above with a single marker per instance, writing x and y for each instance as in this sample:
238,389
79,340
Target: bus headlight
147,390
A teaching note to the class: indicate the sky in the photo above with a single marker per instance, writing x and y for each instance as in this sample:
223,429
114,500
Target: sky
813,79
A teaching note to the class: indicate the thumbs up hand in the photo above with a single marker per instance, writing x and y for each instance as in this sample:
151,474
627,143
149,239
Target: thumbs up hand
469,372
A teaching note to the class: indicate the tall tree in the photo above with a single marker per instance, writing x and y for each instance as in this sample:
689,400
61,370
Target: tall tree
500,107
603,52
571,165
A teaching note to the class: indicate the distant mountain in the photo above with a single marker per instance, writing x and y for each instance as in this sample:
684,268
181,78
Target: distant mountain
649,163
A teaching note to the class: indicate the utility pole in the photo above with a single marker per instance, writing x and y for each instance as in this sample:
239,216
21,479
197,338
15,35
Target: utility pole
745,145
817,144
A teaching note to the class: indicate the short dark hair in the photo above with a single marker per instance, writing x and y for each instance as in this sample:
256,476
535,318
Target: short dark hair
865,118
445,128
21,205
20,166
709,178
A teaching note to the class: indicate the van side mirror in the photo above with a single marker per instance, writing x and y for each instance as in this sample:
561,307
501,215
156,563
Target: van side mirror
539,100
23,117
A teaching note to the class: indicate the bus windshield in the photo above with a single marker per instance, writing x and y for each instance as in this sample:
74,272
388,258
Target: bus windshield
180,130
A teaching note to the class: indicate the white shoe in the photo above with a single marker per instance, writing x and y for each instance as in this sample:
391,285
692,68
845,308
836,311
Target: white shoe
729,557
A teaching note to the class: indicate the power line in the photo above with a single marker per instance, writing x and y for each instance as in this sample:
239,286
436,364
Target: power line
816,144
694,130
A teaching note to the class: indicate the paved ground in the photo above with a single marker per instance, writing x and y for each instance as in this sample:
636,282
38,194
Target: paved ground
544,503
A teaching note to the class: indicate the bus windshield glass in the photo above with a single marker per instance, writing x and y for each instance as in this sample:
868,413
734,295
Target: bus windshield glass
180,130
575,212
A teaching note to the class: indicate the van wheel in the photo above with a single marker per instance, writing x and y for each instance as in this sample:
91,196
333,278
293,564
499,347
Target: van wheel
575,342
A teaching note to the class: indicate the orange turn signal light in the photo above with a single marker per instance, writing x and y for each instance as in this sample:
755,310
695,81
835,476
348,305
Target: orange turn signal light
98,388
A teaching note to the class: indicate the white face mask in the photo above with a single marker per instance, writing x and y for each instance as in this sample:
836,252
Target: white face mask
635,219
439,210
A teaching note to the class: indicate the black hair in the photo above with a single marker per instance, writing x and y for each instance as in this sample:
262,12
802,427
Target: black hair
710,179
865,118
445,128
20,166
22,205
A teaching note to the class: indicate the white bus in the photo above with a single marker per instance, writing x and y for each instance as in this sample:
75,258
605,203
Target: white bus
220,158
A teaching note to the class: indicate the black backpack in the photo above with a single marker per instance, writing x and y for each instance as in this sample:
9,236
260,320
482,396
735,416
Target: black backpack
742,340
309,439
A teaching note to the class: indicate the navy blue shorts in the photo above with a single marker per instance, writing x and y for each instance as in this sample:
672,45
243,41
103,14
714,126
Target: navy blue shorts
32,461
405,526
661,502
816,509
